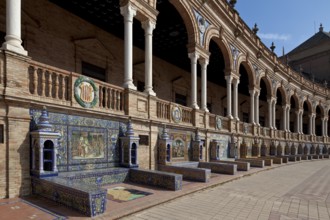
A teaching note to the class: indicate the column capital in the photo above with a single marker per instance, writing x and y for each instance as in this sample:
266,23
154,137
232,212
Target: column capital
203,61
194,56
235,81
252,92
128,11
148,26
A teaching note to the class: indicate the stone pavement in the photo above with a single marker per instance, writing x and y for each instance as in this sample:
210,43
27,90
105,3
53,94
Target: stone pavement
299,191
296,190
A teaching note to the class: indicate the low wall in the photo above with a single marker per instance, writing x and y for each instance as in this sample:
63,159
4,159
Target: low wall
156,178
87,199
276,160
253,162
219,167
188,173
241,166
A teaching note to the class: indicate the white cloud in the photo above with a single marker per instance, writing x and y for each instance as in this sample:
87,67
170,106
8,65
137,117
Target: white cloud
283,37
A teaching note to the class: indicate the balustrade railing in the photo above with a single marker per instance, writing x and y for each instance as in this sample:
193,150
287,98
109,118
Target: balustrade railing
49,82
187,115
163,110
111,97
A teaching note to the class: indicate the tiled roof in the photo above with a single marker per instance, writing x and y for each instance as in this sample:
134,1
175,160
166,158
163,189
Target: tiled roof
315,40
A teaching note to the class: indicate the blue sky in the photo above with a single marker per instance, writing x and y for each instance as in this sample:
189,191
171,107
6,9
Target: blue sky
287,23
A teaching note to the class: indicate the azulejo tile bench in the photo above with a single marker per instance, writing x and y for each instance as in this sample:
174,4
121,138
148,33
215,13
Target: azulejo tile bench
223,168
87,199
157,178
188,173
241,165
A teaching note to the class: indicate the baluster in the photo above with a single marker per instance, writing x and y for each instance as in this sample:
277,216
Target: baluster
100,96
35,81
114,100
59,95
56,82
106,97
63,87
43,83
118,100
49,80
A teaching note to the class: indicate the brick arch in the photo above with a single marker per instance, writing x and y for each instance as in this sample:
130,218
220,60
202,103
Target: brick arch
267,82
321,108
225,50
309,104
188,17
249,69
283,93
296,99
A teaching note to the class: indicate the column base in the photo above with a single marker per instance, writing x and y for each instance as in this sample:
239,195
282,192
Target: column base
150,92
205,109
129,85
230,117
195,106
13,48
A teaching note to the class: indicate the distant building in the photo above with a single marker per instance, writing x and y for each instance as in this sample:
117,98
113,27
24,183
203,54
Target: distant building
312,57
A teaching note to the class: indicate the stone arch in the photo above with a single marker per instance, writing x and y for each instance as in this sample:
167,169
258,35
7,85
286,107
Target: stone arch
295,98
267,82
283,92
249,69
187,15
224,48
309,104
321,107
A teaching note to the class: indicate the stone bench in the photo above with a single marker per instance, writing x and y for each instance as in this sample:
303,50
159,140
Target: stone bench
156,178
87,199
315,157
253,162
223,168
188,173
241,166
268,161
276,160
284,159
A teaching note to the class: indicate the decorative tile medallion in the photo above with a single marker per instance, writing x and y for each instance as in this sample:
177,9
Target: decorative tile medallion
85,92
176,114
218,123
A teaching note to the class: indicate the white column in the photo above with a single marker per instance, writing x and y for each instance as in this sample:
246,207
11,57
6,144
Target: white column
148,27
326,127
311,124
301,122
128,12
204,64
314,116
274,114
252,112
297,122
256,108
193,59
323,126
235,90
13,28
229,101
41,158
270,112
288,118
284,118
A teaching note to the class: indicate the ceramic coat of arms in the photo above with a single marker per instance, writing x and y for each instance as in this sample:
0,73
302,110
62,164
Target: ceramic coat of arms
85,92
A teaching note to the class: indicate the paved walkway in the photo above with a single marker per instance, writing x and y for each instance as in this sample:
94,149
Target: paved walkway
298,191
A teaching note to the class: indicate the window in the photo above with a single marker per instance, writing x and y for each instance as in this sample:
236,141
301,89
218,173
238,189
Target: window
140,86
181,99
93,71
